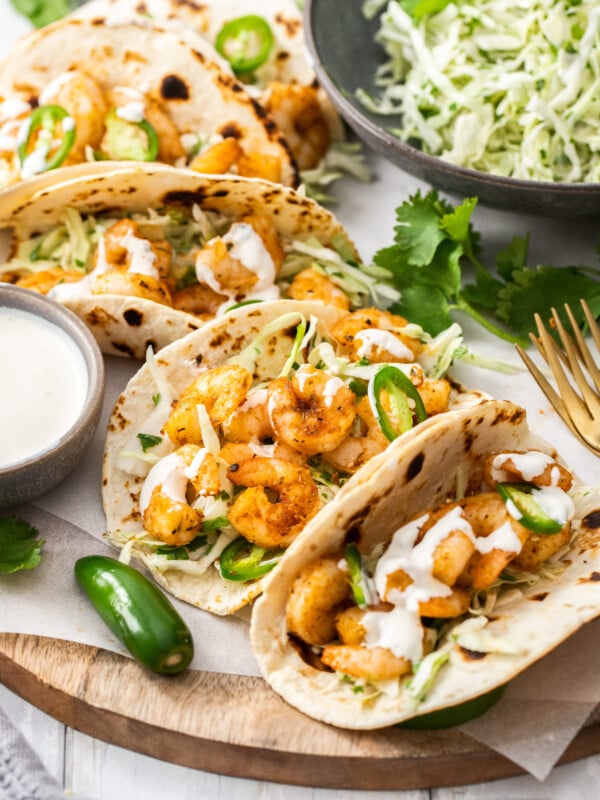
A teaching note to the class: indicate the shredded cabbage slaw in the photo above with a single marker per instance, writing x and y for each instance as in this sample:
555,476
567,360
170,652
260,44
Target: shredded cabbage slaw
508,87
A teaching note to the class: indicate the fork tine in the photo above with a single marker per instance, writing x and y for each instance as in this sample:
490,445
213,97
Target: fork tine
593,325
588,359
546,388
572,402
590,397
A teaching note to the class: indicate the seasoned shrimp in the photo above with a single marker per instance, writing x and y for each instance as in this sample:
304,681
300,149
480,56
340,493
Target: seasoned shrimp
487,513
298,114
170,148
360,446
266,520
435,393
533,467
540,547
167,515
270,238
260,165
221,271
47,279
235,452
312,412
372,663
198,299
124,248
315,595
221,390
312,285
250,421
218,158
376,335
133,284
84,100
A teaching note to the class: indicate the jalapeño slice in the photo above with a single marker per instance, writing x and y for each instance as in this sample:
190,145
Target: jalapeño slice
243,561
43,133
404,401
125,140
245,42
533,517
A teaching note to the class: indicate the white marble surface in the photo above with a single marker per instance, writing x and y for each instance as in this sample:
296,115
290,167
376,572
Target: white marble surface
100,771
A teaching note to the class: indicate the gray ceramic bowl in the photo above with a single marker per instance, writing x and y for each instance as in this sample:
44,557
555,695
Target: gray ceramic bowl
27,479
341,43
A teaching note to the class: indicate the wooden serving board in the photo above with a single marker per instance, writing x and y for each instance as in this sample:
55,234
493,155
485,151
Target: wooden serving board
237,726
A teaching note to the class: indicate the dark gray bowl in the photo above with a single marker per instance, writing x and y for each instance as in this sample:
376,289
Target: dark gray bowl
28,479
341,43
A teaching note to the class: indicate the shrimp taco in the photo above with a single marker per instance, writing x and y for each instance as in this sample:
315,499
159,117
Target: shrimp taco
263,42
146,253
461,559
226,446
83,90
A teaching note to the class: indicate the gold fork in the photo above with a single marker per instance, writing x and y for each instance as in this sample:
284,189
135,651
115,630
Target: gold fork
579,410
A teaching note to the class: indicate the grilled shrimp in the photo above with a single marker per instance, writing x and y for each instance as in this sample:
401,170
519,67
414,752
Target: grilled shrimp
315,595
312,285
124,248
198,299
279,499
168,516
298,114
356,450
372,663
249,422
46,279
221,390
486,513
235,452
531,467
84,100
132,284
387,342
218,158
312,412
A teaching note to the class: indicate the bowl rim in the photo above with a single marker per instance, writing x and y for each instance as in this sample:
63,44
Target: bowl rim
56,314
410,153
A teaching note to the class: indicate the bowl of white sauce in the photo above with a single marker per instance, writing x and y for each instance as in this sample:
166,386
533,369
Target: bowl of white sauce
52,379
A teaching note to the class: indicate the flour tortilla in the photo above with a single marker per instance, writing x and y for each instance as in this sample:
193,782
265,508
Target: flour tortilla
198,94
414,476
181,362
287,62
125,325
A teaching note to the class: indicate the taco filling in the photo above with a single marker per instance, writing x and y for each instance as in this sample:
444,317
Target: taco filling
200,262
234,468
396,613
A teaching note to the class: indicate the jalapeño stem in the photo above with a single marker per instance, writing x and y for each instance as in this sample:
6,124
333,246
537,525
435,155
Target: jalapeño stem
404,400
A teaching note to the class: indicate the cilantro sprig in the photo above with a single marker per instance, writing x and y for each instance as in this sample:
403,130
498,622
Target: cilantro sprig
434,243
19,548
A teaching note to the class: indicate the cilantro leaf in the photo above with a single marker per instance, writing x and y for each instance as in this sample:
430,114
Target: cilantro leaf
513,257
148,440
19,548
426,306
418,232
43,12
538,290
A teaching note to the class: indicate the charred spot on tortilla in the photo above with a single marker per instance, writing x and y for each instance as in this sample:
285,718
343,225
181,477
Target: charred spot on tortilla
538,597
591,520
122,347
174,88
133,317
593,577
282,56
230,130
292,26
415,467
198,359
220,340
471,655
184,198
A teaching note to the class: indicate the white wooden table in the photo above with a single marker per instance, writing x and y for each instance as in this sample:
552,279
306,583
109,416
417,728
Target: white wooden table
105,772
